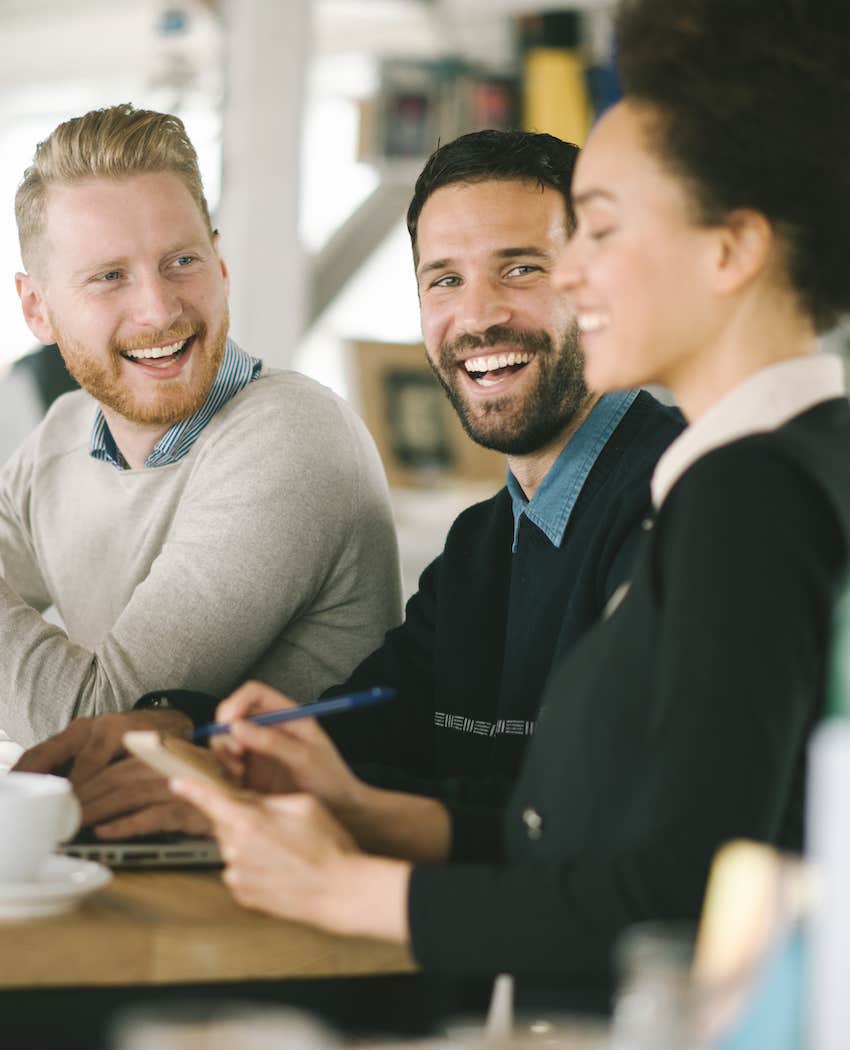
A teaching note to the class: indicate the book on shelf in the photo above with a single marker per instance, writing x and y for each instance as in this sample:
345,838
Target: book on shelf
423,103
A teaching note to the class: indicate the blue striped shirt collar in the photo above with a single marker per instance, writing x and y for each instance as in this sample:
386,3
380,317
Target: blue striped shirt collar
552,504
236,371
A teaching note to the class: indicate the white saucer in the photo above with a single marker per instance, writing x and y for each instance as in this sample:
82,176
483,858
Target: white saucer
59,885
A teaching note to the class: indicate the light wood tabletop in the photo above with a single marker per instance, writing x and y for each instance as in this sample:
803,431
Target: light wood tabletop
170,927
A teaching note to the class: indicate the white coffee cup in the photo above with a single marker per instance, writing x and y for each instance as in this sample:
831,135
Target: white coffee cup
37,812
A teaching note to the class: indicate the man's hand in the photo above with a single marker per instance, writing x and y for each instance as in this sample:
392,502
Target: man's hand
123,798
129,798
90,744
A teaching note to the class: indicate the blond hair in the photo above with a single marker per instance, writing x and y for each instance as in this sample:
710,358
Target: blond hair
105,143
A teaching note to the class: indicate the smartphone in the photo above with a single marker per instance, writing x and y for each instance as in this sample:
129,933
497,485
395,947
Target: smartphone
174,757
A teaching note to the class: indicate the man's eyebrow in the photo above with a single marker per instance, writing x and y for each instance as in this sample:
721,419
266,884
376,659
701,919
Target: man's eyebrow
118,262
530,251
521,252
99,267
436,264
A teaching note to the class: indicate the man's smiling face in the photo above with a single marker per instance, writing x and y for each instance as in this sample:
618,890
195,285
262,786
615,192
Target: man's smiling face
499,338
131,287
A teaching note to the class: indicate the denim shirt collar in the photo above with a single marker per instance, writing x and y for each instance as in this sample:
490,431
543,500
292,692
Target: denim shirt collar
552,505
236,371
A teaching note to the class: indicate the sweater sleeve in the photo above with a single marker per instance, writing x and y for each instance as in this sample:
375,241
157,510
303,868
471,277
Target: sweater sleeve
18,563
744,566
265,535
392,744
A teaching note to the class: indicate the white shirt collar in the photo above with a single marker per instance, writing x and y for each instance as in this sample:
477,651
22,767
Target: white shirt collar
761,403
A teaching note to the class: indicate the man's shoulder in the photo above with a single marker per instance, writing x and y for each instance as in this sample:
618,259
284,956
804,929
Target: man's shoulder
276,386
620,477
289,404
285,422
66,426
479,519
642,435
652,419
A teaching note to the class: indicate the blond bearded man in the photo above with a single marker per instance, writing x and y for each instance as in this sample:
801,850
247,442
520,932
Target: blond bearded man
194,516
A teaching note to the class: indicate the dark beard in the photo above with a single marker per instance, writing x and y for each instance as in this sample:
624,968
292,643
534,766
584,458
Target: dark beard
519,428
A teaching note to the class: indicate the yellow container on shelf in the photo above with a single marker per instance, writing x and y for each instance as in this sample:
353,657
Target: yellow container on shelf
555,95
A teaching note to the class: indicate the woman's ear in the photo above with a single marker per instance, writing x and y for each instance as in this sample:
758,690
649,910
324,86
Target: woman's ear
747,243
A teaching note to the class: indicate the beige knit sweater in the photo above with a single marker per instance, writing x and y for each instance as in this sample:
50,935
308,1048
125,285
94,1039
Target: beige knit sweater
268,552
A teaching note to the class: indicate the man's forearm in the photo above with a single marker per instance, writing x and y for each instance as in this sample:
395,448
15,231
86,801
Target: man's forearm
42,671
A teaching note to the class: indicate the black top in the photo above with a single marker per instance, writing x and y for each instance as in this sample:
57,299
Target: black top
677,724
481,635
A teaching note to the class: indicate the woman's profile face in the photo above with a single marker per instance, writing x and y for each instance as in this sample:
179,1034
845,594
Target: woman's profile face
639,269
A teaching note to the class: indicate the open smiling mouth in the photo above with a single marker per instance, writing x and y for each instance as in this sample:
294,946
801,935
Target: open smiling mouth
159,356
490,369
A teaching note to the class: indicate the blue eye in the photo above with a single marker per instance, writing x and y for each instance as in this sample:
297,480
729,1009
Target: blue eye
523,270
449,281
184,260
111,276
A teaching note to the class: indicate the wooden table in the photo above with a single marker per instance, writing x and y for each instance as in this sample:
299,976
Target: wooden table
154,928
151,939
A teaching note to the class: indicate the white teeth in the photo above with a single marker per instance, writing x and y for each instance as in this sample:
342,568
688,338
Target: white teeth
494,361
591,322
155,351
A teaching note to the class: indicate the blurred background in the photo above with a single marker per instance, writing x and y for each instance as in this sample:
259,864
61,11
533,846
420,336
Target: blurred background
312,119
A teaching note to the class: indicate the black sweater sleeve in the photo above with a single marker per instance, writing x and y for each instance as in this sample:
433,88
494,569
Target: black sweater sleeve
740,578
398,734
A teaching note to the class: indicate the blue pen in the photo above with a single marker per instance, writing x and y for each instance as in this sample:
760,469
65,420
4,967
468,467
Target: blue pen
313,709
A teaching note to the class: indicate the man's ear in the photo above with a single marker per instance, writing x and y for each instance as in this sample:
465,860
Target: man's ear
34,307
746,248
225,273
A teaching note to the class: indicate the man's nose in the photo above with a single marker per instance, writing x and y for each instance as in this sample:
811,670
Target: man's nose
482,307
156,304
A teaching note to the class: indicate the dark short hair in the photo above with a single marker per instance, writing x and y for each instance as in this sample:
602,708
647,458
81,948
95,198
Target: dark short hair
482,156
750,104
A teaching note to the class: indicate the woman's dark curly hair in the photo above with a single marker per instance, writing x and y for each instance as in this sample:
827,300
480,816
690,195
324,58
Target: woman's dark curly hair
752,99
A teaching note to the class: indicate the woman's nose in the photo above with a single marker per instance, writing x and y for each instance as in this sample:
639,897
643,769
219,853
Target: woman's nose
566,273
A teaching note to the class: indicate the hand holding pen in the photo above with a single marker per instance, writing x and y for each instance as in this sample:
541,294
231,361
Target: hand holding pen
302,759
313,709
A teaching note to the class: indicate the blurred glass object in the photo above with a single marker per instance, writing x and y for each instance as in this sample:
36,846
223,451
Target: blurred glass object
828,850
773,1014
654,1008
205,1026
505,1030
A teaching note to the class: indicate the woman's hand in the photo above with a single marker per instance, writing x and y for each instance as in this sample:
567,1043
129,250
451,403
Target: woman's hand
288,856
298,756
295,756
252,698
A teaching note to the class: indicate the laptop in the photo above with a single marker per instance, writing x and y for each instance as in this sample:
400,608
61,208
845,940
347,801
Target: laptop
164,850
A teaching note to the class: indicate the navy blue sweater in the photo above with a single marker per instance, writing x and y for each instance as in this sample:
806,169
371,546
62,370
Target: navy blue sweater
482,633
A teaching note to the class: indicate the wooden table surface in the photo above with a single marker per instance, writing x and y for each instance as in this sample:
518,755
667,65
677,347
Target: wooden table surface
170,927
